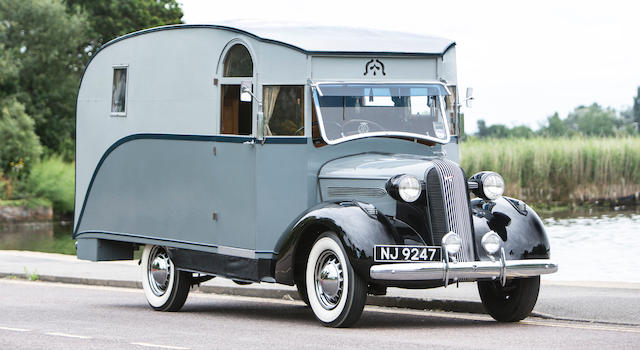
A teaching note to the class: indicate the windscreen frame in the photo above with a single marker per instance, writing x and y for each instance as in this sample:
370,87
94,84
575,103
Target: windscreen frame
316,89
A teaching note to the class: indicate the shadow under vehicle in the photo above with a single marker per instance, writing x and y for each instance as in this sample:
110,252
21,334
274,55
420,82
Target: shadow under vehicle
318,157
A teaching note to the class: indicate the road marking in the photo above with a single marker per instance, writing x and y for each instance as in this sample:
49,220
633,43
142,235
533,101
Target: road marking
148,345
68,335
15,329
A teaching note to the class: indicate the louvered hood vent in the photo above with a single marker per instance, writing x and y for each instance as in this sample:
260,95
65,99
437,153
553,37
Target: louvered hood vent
448,205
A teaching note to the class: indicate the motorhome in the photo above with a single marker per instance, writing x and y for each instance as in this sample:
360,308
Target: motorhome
321,157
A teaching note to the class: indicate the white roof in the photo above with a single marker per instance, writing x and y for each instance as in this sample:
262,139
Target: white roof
329,40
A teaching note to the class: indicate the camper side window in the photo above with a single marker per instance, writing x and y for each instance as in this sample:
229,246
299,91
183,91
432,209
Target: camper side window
283,108
119,91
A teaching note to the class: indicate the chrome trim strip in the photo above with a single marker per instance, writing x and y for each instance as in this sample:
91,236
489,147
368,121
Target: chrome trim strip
243,253
463,270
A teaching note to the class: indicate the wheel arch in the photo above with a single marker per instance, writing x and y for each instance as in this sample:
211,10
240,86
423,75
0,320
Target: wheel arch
519,226
357,230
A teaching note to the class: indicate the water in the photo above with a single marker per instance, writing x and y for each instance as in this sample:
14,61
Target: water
603,247
589,246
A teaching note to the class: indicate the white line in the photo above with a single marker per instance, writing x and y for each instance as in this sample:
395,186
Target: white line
15,329
160,346
68,335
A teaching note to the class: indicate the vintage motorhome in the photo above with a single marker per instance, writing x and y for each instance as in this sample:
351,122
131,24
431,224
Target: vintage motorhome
324,158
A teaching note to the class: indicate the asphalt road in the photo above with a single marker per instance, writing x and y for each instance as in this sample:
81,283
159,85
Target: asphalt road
41,315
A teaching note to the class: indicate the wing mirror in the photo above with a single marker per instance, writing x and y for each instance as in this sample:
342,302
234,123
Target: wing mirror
245,91
469,98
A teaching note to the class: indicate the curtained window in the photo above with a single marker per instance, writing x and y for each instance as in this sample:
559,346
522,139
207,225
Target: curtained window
283,108
119,91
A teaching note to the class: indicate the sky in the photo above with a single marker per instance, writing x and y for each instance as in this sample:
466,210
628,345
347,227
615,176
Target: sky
525,59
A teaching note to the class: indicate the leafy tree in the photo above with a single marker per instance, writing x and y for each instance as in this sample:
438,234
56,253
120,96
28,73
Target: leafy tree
593,120
20,144
46,40
18,139
111,19
635,110
502,131
556,127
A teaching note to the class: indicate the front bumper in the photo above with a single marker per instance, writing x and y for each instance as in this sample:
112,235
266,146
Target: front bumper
473,270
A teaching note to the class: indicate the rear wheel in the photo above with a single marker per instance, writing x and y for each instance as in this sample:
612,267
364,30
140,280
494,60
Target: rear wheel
336,293
511,303
165,287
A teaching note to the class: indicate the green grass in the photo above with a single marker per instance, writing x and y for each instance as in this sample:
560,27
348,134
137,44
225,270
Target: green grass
562,170
53,179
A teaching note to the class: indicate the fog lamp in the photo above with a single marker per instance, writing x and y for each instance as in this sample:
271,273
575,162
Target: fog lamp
491,242
452,243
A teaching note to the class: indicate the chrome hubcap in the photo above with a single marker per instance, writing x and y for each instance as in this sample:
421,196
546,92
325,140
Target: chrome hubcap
329,278
159,270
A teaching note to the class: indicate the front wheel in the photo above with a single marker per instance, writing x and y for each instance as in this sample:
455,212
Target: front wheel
336,293
165,287
511,303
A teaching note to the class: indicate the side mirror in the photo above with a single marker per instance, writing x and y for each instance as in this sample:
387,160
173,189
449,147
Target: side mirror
469,97
245,91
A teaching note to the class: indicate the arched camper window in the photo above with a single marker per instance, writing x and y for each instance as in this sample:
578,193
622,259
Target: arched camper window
236,112
238,62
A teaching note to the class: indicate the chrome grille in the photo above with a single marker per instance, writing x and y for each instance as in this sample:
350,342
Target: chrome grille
456,207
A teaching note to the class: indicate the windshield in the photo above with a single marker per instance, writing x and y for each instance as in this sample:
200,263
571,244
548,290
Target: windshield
350,111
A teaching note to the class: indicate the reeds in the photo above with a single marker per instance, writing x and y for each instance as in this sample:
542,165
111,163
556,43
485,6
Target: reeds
559,170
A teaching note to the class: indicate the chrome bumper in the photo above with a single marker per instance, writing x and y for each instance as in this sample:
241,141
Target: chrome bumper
473,270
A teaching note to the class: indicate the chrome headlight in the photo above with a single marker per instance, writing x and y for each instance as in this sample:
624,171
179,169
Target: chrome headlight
452,243
490,185
491,242
404,187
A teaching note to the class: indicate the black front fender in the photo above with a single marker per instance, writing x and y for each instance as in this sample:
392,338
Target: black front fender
516,223
358,230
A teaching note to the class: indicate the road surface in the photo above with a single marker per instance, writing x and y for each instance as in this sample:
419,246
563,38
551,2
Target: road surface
41,315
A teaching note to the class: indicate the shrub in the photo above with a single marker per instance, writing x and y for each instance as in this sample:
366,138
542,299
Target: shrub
53,179
19,140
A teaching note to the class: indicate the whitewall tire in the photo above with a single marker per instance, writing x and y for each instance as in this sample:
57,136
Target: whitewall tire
336,293
165,287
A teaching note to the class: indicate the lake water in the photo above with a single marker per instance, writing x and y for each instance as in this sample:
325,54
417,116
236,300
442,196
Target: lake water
589,246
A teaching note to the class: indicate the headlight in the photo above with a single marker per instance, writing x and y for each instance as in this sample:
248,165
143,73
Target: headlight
452,243
405,187
490,185
491,242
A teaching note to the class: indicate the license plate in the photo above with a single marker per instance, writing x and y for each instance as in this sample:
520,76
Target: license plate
406,253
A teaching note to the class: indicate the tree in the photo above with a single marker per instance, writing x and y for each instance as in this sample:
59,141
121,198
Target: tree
593,120
556,127
18,139
635,110
46,40
111,19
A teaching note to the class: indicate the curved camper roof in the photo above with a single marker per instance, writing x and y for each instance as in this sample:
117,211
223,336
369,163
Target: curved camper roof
327,40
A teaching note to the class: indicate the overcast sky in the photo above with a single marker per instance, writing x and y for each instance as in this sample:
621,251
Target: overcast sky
525,60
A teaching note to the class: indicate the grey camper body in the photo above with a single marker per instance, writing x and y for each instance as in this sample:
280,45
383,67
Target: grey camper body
213,143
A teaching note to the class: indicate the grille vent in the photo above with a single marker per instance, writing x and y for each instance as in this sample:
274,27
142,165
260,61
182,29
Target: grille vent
448,206
356,192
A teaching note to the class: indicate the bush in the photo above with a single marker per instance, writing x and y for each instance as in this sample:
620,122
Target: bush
53,179
19,140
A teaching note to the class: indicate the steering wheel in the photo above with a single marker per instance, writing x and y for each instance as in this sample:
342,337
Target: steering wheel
360,126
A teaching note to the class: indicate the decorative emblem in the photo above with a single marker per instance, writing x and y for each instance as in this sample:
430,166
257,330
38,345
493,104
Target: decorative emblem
374,66
448,178
363,128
